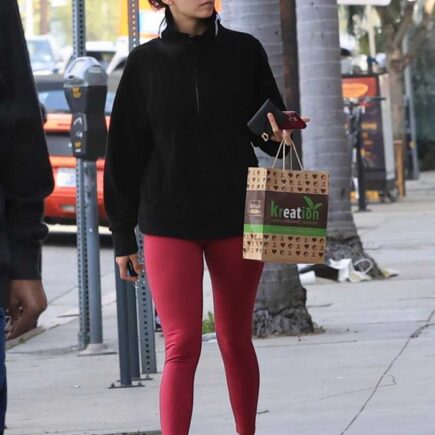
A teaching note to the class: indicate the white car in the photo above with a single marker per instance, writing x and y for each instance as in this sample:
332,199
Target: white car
43,55
112,56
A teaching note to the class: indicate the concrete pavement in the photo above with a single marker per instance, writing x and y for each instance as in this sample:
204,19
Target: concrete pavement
371,372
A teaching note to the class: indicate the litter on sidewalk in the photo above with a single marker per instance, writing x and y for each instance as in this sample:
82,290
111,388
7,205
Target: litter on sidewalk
341,271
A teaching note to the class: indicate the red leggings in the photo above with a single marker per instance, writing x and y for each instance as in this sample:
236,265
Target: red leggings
175,272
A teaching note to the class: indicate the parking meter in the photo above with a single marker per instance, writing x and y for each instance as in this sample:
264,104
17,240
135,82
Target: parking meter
85,89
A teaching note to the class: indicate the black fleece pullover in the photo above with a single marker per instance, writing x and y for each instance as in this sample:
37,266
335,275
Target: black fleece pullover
179,147
25,172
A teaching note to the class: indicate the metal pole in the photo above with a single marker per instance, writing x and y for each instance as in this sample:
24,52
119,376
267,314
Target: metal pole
146,316
132,331
79,28
126,364
123,333
93,247
82,261
133,24
362,204
144,303
133,41
79,49
126,292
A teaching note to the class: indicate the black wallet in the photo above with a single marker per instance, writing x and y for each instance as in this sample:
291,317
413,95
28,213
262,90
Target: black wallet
259,124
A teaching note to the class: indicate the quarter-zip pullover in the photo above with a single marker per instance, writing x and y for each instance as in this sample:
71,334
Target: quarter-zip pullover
179,147
195,73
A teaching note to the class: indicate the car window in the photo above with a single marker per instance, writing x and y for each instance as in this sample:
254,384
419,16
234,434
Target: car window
54,101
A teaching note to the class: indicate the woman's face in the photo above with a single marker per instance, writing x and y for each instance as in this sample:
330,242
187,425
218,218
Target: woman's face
198,9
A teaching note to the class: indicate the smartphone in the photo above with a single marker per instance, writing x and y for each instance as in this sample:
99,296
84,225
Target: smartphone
130,270
259,124
293,122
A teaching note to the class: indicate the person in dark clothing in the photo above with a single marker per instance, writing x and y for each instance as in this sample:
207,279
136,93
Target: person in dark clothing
177,160
25,180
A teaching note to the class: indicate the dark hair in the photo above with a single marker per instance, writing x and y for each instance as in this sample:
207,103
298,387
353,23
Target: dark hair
157,4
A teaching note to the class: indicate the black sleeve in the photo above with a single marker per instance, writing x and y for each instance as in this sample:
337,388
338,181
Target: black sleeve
267,88
129,138
26,174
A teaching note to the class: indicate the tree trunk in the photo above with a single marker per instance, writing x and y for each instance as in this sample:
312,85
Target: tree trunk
291,64
424,90
325,143
281,301
44,23
397,94
396,59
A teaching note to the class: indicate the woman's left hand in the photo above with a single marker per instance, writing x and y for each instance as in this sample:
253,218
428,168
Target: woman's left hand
278,134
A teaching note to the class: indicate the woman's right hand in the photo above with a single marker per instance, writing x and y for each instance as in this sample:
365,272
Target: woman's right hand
123,271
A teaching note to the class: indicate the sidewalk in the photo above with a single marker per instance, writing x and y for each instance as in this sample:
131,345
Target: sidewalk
371,372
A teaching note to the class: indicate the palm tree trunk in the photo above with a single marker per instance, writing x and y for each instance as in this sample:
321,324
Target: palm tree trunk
325,143
396,75
291,64
397,91
281,300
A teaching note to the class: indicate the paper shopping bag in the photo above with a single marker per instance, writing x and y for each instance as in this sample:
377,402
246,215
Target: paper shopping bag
286,214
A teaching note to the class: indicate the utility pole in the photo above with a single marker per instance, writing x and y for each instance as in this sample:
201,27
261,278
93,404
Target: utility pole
44,28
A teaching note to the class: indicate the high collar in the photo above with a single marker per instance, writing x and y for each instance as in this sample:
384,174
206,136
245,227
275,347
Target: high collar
169,32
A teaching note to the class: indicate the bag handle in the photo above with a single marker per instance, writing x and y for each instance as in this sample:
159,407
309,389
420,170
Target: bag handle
292,149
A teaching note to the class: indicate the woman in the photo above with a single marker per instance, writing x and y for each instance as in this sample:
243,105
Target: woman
177,161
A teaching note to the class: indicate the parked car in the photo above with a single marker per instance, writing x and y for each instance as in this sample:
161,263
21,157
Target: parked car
112,56
60,206
43,55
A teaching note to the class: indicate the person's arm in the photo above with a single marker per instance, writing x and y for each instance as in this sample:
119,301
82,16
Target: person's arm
27,180
25,175
266,88
128,141
25,169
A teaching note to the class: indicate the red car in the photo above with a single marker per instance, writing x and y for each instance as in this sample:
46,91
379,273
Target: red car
60,206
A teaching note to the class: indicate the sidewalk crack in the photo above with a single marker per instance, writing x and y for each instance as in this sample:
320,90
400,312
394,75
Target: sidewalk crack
414,335
360,390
